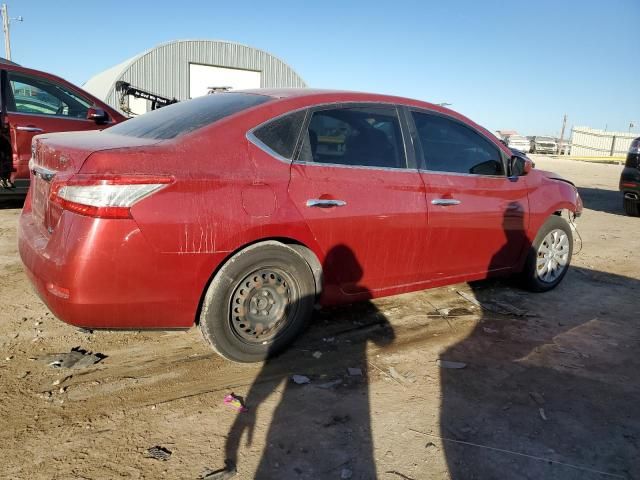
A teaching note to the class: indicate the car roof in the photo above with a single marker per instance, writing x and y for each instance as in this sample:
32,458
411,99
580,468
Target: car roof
310,96
319,93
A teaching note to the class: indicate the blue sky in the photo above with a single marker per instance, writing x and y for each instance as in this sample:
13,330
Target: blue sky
507,65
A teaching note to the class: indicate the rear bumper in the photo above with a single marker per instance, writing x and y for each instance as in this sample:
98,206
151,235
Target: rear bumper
98,273
630,180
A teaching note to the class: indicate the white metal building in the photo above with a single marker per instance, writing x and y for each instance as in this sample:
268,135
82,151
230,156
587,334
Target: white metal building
185,69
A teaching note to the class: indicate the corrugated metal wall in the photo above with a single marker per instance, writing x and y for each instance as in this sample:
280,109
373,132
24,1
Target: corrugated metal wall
165,69
590,142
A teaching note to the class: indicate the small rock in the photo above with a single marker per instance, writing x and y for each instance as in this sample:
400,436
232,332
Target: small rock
489,330
62,389
542,414
35,324
61,380
300,379
346,473
449,364
355,372
430,446
317,354
8,358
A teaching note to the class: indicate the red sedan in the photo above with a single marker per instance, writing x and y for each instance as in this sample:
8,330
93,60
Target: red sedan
239,211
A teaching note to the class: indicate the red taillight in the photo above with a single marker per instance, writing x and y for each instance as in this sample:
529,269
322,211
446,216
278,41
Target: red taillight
629,184
104,196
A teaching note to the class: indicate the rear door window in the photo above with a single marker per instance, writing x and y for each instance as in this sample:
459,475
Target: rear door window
281,135
367,136
184,117
450,146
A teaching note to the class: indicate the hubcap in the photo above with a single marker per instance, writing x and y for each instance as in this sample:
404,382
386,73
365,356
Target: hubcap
260,305
553,256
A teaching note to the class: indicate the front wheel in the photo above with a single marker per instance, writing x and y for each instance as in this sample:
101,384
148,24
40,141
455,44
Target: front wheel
549,256
258,302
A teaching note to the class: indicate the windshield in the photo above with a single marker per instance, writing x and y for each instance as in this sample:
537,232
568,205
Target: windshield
184,117
517,138
545,139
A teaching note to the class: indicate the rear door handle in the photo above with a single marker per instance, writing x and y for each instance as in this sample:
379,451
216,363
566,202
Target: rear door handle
321,203
445,202
29,128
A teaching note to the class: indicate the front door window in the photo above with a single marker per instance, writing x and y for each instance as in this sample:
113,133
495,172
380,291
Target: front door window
36,96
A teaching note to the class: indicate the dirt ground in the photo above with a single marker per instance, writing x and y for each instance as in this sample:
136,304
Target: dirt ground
550,388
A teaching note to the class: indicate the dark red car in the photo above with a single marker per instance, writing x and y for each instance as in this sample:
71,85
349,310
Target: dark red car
240,210
34,102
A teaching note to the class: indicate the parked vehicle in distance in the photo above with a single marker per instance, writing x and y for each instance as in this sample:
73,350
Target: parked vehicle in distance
519,142
239,211
544,145
630,180
36,102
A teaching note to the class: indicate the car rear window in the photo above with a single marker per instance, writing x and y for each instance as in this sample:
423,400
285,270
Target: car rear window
184,117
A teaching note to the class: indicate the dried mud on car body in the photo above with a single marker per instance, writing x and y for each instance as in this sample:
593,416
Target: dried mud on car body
546,396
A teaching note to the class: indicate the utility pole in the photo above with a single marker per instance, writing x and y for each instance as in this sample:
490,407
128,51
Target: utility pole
564,124
6,21
631,125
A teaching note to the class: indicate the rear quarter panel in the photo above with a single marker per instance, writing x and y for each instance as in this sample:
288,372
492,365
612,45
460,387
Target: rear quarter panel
227,193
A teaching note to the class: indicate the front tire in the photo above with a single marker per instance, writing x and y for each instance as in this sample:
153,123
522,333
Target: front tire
549,256
632,207
258,302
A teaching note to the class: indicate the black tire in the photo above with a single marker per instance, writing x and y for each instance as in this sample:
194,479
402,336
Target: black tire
632,207
237,332
530,275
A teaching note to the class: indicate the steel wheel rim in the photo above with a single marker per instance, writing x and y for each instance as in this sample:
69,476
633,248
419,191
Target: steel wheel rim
261,305
553,256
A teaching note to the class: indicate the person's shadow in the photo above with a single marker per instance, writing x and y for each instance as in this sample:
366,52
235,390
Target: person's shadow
545,396
321,429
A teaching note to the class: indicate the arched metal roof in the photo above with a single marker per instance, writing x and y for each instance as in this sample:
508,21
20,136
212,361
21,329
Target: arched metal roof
164,69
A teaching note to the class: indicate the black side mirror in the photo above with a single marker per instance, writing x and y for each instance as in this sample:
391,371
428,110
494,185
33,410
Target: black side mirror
520,165
98,115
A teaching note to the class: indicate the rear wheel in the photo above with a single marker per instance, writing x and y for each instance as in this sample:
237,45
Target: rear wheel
632,207
549,256
258,302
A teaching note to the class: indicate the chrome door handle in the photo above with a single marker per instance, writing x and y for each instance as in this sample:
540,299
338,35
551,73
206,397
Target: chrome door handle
29,129
317,202
445,202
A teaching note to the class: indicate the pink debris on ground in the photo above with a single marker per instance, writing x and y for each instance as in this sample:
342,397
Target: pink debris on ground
235,402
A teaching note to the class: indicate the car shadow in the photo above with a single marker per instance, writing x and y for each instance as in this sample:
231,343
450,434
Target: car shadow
337,436
549,382
602,200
